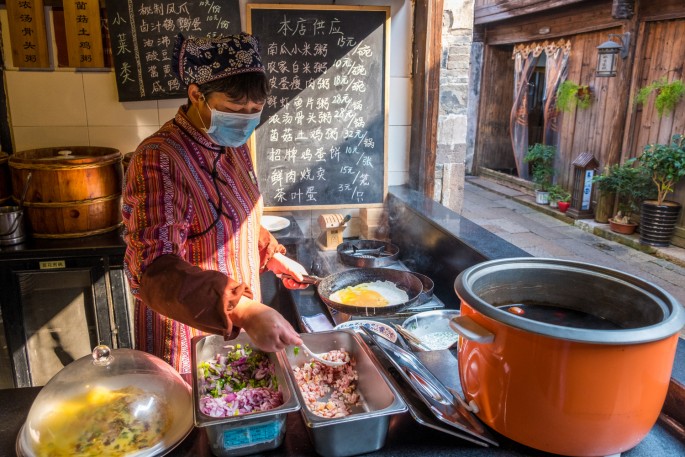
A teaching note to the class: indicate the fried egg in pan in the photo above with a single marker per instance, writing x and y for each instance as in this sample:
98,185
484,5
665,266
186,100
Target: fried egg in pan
371,295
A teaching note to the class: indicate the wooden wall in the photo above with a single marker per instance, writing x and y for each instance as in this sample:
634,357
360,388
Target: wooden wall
598,128
660,52
613,128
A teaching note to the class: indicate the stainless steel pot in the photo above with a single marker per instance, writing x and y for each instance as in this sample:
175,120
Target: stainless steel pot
11,225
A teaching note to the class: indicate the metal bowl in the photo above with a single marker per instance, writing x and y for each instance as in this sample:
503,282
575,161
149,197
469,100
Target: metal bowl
433,328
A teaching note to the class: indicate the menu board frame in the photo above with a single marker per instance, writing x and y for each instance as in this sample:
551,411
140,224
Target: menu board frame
357,199
143,34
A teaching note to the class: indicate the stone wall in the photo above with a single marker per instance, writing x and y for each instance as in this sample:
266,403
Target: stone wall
453,137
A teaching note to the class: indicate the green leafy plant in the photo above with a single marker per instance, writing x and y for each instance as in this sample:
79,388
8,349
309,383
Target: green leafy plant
541,159
666,165
667,94
559,194
630,182
571,95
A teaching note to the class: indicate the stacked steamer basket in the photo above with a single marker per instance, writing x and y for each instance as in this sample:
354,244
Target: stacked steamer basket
74,191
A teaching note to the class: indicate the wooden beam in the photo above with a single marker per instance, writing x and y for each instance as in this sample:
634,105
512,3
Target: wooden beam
425,95
559,23
498,11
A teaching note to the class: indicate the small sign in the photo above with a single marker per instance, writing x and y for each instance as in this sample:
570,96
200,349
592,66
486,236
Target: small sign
84,33
52,264
587,190
26,20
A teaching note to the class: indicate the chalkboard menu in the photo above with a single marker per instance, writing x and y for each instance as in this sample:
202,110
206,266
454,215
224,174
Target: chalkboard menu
143,33
322,140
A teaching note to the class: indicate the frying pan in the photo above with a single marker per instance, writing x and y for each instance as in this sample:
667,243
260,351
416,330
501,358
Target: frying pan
404,280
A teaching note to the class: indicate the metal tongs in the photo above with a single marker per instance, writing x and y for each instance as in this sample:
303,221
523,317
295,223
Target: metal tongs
444,403
375,252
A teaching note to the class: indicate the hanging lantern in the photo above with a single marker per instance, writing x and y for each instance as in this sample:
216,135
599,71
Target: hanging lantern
608,53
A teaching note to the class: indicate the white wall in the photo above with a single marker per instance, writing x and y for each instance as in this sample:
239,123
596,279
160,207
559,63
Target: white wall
68,107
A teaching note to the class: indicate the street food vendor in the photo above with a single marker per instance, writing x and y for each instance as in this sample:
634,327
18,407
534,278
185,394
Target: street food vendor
192,211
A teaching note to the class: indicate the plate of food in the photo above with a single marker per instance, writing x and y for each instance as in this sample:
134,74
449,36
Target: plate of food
385,330
275,223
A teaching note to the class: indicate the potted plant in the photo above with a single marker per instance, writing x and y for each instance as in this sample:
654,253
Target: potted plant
564,201
571,95
557,196
541,159
631,184
667,94
666,165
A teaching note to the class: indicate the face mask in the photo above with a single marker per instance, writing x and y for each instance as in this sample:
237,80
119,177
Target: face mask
231,129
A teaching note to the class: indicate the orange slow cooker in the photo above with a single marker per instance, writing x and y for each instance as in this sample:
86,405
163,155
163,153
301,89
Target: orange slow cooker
541,375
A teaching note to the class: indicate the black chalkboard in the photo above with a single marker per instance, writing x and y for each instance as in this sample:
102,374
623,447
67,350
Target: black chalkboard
142,34
322,142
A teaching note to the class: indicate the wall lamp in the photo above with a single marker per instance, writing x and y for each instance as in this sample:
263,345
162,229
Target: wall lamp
608,53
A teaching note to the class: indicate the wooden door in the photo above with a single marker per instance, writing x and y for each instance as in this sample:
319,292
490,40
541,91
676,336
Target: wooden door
493,145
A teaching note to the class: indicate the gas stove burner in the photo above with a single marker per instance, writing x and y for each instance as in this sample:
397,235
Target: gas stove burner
368,253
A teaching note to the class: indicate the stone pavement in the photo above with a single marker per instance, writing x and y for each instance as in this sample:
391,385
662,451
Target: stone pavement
546,232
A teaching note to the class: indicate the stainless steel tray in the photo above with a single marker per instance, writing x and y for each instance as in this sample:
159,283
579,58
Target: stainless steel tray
446,405
368,423
247,433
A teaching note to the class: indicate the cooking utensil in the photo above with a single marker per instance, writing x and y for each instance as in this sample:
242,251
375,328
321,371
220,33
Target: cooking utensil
433,328
442,402
543,384
226,435
368,253
404,280
428,286
67,412
319,357
12,220
365,429
411,338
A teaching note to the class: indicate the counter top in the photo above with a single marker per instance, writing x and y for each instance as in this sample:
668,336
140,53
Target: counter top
406,438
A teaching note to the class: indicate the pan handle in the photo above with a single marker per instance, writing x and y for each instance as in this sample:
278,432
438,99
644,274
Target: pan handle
469,329
306,279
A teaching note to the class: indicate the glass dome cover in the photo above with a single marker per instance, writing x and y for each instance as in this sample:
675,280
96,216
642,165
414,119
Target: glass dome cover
115,402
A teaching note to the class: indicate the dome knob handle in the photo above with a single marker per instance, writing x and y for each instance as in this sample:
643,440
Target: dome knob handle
102,355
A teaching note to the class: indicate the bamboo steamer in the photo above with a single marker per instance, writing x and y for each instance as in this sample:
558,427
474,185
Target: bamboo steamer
5,182
73,191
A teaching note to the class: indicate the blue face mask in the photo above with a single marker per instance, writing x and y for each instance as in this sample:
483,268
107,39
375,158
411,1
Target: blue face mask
231,129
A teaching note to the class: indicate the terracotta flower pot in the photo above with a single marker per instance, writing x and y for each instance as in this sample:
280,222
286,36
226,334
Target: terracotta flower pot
563,206
625,229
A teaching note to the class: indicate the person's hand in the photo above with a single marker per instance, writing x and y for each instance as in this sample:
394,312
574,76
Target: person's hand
268,330
280,264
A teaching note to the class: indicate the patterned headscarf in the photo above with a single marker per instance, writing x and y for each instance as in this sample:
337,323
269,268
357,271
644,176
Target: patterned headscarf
201,60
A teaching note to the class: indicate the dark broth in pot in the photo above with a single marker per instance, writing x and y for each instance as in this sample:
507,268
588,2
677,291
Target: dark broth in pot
557,315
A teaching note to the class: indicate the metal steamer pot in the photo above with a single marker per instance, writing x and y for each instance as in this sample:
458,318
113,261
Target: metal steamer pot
562,389
404,280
